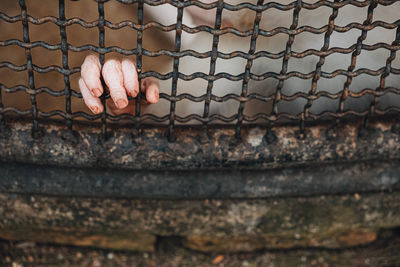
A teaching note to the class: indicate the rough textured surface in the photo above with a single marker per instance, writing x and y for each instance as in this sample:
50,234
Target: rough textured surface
291,181
112,240
195,149
327,221
384,253
332,238
289,201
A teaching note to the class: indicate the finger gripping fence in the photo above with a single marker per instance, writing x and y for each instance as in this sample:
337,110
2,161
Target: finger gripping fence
268,117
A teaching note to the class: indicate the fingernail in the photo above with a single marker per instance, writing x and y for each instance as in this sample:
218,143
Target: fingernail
95,109
96,92
156,97
121,103
132,93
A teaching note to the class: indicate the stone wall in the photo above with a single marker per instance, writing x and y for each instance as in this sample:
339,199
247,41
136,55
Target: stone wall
334,221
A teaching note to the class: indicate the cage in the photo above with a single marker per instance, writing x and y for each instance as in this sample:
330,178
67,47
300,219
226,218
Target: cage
269,100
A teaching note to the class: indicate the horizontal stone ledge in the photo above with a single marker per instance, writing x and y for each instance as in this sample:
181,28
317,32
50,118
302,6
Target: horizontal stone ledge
383,252
113,240
330,221
322,179
170,253
196,148
343,238
332,238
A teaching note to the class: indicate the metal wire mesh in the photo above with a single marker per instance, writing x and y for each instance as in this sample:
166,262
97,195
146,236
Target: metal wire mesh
278,96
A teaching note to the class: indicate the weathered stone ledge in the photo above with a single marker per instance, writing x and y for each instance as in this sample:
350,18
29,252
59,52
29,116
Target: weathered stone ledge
171,253
195,148
324,179
206,225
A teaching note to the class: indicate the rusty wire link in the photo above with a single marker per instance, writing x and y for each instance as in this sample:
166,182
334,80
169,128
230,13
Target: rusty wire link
237,120
381,87
214,51
249,64
64,49
139,60
29,68
100,7
360,40
175,74
318,67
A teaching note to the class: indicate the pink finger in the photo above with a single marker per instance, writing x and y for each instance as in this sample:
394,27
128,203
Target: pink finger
112,74
90,73
131,82
93,103
152,88
118,111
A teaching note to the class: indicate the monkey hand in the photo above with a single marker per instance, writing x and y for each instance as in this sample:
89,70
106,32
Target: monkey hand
121,79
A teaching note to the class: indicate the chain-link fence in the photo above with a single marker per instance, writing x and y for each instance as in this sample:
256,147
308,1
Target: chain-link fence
378,95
